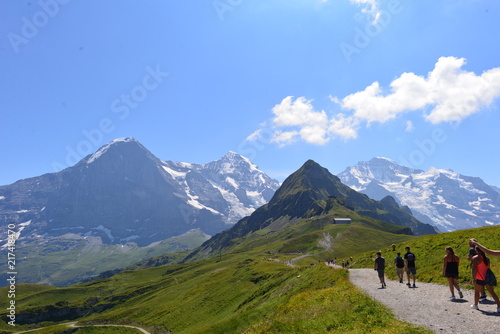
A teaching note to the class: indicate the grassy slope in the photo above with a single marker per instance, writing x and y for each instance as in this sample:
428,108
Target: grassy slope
64,329
237,295
64,261
245,289
429,251
303,237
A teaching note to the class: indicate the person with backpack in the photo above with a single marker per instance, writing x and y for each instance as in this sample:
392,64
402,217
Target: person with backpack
483,277
450,271
410,267
472,253
399,262
379,267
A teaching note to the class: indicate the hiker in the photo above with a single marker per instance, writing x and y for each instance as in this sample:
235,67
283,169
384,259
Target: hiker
410,267
472,253
481,279
379,267
484,249
450,271
399,262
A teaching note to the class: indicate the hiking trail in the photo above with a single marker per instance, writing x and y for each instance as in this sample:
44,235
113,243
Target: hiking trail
429,305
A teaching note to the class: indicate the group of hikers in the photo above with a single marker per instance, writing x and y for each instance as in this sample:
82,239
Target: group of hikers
482,276
345,263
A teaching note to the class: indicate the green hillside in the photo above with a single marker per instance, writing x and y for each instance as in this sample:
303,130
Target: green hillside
71,258
319,237
246,287
241,293
429,251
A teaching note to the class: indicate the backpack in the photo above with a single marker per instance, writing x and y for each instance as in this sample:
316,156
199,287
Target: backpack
490,278
400,263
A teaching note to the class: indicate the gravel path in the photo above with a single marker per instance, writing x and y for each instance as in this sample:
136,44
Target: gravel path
74,325
429,305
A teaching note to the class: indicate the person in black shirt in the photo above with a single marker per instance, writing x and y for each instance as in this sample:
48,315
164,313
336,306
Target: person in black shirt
410,266
450,271
379,267
399,262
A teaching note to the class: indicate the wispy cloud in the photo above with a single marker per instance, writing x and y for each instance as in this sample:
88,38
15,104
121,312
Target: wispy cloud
371,8
447,94
409,126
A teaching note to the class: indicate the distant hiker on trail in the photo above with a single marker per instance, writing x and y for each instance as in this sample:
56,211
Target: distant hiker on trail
481,278
399,262
450,271
379,267
472,253
410,266
484,249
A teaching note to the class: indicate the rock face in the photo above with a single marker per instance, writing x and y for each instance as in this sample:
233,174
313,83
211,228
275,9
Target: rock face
123,193
441,197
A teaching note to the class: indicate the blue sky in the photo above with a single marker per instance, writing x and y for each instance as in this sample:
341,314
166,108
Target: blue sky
279,81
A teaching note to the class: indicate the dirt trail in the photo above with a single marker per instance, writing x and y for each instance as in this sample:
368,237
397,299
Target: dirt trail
74,325
429,305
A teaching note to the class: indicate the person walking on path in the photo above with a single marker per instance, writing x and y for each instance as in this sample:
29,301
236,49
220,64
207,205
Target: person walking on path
410,266
379,267
474,242
399,262
481,266
472,253
450,271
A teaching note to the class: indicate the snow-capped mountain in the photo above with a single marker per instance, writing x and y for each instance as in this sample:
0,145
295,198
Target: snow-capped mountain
123,193
440,197
242,185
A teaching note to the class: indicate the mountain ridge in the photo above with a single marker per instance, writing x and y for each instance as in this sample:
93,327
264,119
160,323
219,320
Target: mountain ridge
122,188
441,197
311,191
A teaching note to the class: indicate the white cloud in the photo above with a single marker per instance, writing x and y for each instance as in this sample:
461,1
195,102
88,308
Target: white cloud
254,135
285,138
447,94
409,126
372,8
301,119
451,92
344,126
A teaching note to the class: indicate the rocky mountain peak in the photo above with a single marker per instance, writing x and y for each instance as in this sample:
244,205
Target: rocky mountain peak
441,197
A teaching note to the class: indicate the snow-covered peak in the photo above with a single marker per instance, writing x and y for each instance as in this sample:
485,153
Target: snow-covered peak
106,147
237,159
441,197
383,159
379,168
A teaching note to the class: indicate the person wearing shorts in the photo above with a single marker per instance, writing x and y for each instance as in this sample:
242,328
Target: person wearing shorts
481,266
380,267
410,267
472,253
399,262
450,271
